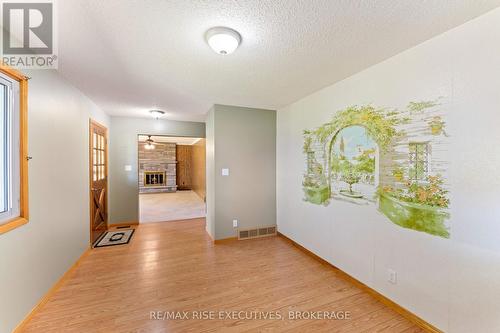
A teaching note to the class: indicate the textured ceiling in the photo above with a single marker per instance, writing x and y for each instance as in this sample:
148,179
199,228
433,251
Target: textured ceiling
129,56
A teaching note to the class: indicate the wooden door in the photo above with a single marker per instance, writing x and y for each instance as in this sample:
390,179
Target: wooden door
184,165
98,148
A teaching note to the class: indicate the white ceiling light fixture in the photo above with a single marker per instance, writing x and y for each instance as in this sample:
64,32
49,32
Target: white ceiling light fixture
157,113
223,40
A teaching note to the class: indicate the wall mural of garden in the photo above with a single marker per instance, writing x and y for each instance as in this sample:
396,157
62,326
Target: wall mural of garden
395,160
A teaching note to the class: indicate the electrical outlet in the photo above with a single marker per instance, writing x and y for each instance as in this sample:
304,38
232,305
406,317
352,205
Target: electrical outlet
235,223
392,276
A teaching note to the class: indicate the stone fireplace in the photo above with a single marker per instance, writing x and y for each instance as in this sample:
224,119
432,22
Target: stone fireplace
157,168
155,178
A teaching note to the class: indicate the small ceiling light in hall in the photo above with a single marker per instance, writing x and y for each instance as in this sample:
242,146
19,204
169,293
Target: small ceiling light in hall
157,113
223,40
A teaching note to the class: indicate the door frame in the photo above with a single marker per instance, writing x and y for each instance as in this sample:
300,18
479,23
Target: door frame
138,167
93,123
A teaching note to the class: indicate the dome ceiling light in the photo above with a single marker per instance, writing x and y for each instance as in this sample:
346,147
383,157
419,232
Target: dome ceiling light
223,40
157,113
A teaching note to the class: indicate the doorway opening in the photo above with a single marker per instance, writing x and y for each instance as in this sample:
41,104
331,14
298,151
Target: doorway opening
171,175
98,187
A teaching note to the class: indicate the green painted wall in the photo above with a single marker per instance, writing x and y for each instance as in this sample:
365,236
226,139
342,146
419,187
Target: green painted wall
34,256
244,141
210,176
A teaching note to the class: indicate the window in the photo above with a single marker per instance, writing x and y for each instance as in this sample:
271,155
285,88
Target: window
9,162
419,160
99,157
13,157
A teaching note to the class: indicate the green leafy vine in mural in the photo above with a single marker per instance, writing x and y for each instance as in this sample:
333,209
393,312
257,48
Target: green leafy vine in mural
307,142
418,107
379,123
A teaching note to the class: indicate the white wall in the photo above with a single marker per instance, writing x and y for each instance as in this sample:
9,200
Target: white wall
452,283
37,254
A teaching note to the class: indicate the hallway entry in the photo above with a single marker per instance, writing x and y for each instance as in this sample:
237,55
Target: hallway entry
171,175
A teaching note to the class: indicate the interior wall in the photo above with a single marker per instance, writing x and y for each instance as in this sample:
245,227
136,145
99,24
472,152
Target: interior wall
452,283
244,141
123,183
37,254
210,172
198,172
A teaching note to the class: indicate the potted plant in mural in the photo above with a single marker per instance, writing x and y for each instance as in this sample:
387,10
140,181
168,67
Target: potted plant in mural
369,155
436,125
315,186
351,178
398,173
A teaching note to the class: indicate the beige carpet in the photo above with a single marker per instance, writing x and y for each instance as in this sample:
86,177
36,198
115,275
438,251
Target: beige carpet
160,207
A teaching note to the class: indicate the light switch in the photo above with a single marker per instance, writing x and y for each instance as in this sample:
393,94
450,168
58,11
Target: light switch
225,172
128,168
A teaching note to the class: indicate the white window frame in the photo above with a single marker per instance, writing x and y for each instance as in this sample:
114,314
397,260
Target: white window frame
11,142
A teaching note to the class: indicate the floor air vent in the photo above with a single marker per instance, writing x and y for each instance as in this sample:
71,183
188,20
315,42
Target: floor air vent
257,232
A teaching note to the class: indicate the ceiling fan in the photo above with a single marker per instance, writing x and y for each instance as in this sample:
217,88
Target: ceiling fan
150,144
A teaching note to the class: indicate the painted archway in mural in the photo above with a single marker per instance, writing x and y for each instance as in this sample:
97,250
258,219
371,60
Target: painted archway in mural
326,170
353,165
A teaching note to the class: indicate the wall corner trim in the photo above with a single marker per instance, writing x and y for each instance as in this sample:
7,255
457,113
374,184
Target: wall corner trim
19,328
225,240
383,299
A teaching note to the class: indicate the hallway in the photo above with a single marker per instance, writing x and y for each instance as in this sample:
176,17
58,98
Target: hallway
175,267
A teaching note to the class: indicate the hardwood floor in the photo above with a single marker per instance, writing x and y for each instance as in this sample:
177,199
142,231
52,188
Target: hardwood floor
174,266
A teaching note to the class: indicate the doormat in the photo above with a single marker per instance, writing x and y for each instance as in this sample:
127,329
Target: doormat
117,237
